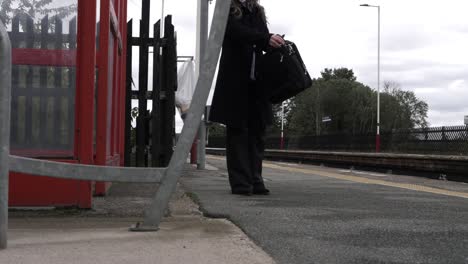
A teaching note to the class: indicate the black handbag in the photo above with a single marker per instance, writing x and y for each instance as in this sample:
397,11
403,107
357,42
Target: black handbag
282,73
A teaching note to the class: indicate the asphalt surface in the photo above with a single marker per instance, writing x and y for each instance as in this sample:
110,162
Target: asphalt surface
317,219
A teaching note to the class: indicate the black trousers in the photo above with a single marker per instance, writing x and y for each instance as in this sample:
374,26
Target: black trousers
245,149
244,153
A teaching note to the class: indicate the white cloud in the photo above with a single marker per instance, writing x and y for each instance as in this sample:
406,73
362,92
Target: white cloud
423,45
449,105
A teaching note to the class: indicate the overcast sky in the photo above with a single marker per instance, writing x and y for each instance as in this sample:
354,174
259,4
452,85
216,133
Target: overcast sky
424,43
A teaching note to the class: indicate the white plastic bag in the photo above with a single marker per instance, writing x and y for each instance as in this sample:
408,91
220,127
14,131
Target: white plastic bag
186,86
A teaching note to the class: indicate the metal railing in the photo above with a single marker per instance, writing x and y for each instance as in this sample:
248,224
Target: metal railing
167,177
449,140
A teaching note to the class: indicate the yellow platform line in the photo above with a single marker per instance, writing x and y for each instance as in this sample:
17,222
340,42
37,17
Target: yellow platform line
407,186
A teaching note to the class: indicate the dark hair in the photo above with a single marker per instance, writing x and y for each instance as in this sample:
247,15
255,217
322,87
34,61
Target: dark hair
236,8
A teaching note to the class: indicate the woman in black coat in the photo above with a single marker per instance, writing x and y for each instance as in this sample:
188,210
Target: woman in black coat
238,100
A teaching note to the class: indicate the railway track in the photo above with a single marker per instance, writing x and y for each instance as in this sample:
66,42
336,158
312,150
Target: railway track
436,164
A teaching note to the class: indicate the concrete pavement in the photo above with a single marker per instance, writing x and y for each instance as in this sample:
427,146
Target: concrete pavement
101,236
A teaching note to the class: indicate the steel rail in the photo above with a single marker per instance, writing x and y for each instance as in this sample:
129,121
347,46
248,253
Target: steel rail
85,172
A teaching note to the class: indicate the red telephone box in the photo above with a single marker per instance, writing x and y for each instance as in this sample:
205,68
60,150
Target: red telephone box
68,96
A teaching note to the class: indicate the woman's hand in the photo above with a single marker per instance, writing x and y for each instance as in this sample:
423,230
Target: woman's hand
276,41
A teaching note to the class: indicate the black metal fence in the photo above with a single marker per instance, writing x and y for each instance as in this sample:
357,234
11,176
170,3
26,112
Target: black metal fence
155,130
436,140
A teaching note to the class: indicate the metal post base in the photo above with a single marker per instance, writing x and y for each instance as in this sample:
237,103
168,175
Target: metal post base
139,227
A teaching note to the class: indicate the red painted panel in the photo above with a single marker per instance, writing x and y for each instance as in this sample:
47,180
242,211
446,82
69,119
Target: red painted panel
28,190
103,83
85,194
107,62
42,57
85,81
85,93
110,62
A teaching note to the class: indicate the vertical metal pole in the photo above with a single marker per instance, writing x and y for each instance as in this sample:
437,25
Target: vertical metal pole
377,143
128,97
143,86
5,100
169,182
158,88
282,126
317,114
377,137
201,163
202,33
162,26
202,37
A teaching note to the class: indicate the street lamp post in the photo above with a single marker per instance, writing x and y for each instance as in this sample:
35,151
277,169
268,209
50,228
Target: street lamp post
377,138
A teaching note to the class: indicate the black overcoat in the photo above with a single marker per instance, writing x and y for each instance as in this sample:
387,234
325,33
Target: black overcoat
236,96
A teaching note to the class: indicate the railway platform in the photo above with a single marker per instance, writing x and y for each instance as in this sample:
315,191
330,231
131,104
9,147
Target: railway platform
326,215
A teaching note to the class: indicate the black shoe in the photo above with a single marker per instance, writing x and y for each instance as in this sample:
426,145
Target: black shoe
242,192
263,191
